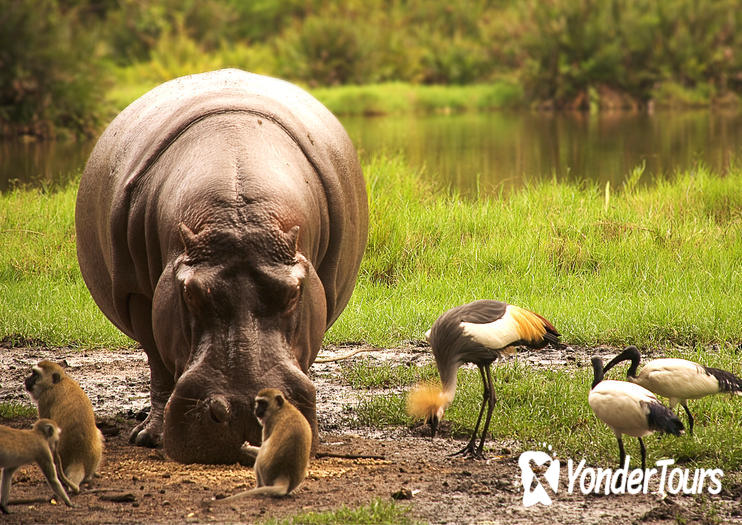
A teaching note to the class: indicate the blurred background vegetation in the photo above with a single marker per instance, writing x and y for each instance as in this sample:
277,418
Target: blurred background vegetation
60,59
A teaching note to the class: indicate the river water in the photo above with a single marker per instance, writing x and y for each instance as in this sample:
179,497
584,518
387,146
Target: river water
484,152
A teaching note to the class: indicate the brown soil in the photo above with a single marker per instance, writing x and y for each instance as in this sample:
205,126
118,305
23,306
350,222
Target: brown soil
138,485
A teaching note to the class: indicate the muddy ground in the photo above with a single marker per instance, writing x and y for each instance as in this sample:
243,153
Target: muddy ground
138,485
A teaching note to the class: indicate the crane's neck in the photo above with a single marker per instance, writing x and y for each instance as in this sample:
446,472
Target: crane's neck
448,381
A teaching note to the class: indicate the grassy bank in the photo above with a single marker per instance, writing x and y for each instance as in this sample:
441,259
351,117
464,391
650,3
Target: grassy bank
654,265
658,265
376,99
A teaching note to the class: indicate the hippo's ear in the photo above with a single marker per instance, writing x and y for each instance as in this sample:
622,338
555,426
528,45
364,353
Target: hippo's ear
187,237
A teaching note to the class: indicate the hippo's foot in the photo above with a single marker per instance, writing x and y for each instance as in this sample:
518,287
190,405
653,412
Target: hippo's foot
148,433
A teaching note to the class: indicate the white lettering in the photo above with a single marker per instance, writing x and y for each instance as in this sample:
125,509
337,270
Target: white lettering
664,463
589,488
673,487
635,481
691,489
620,474
716,476
604,475
623,480
648,476
572,474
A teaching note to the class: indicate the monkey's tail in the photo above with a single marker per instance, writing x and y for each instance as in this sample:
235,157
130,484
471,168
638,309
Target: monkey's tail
279,488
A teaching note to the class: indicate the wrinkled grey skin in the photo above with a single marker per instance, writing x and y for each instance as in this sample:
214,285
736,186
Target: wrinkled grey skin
221,220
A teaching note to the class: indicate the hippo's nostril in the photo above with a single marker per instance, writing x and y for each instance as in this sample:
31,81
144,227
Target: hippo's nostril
219,409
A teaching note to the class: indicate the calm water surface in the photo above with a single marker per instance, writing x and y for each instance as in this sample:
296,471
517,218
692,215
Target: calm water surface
488,151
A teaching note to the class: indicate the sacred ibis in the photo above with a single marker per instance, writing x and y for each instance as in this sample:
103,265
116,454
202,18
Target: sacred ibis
629,409
478,332
677,379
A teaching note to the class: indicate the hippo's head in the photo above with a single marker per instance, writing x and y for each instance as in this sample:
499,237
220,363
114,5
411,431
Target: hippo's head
250,313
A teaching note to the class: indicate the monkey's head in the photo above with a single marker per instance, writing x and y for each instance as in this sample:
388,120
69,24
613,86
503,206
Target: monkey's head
44,376
50,431
268,402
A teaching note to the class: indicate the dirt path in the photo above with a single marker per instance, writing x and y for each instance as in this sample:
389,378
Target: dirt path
141,485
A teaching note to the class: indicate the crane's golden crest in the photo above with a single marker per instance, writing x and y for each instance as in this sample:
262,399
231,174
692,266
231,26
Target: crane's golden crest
426,400
530,326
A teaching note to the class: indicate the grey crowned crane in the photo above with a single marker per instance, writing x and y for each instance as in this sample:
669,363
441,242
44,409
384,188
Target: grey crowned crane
677,379
478,332
629,409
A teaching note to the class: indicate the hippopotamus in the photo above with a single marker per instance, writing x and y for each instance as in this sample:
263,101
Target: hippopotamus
221,219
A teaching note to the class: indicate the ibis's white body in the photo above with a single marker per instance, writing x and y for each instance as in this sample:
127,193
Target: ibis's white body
676,379
622,406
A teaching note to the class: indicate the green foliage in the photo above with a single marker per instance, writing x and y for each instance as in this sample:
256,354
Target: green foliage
16,411
629,46
399,98
42,294
564,53
51,78
376,512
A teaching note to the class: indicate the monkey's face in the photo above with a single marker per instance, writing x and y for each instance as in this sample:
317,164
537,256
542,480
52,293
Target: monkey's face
43,377
261,407
267,402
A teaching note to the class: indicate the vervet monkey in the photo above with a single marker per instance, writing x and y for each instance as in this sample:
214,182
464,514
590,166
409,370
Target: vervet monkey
61,399
37,445
281,460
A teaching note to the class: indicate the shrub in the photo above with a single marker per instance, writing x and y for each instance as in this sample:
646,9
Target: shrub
50,77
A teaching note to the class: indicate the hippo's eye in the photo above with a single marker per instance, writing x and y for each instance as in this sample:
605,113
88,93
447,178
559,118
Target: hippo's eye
292,298
192,291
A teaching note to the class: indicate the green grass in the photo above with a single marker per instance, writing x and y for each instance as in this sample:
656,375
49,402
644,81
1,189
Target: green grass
660,264
364,373
42,294
17,410
373,99
541,405
377,512
396,98
656,265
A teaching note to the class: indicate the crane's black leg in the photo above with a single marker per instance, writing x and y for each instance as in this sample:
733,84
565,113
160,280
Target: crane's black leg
468,450
491,400
644,454
690,418
621,452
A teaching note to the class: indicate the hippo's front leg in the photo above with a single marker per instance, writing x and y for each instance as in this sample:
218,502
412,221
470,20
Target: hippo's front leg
149,432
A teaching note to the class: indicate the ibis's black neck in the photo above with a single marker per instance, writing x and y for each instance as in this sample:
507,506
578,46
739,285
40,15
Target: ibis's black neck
597,371
630,353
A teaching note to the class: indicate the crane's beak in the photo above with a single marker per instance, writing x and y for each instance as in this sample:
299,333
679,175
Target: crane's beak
434,426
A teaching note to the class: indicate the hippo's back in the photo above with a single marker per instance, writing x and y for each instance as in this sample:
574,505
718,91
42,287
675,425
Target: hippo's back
136,138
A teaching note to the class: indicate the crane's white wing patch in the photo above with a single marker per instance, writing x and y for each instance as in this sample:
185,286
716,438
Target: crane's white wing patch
497,334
